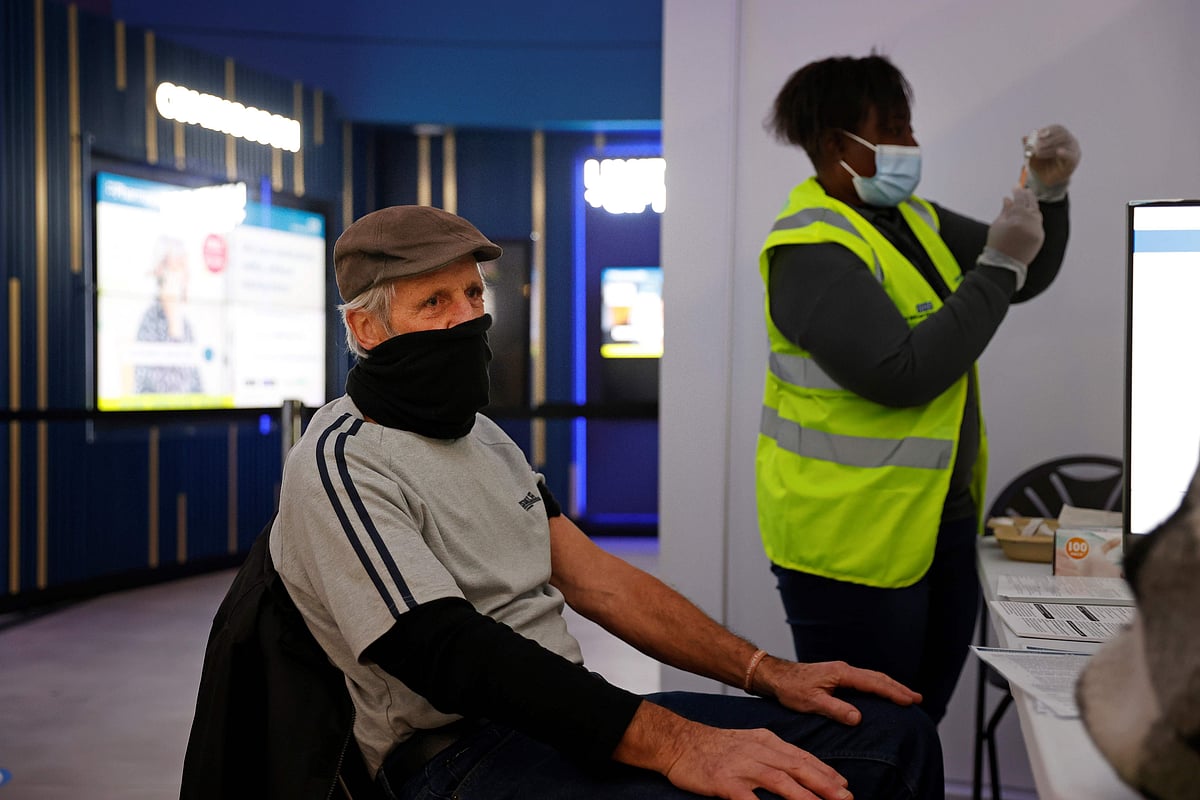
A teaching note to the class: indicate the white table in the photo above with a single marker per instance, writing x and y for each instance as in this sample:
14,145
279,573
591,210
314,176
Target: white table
1066,765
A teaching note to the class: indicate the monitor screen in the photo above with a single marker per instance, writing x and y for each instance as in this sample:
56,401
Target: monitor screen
1162,421
631,312
205,297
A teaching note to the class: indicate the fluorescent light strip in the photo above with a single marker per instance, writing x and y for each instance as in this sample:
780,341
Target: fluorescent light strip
218,114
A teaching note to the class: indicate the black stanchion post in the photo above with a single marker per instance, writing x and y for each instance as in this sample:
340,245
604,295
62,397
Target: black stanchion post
290,426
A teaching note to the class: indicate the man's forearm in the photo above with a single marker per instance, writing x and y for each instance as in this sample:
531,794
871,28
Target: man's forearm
642,610
675,631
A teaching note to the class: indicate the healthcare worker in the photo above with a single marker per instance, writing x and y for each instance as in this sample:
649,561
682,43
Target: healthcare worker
871,456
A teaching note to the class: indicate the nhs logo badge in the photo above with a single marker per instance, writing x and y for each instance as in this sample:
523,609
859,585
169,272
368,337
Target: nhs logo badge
923,307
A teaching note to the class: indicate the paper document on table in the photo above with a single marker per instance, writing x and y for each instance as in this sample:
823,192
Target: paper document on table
1079,623
1049,677
1065,589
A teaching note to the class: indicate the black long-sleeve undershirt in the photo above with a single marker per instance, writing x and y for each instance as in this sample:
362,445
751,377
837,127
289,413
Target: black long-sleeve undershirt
823,300
464,662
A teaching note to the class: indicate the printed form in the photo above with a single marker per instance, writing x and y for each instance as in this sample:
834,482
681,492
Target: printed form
1066,621
1093,591
1047,676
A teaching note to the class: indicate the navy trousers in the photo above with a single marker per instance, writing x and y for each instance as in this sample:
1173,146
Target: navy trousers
893,753
919,635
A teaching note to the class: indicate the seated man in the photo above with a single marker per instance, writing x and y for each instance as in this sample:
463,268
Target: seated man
431,563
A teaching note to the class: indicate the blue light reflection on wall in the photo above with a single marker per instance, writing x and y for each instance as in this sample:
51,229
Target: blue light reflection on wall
650,148
579,335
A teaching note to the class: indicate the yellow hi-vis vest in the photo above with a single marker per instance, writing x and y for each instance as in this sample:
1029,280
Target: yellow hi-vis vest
847,488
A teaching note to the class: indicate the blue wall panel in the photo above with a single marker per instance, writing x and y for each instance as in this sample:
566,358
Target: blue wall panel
259,466
83,490
103,528
498,186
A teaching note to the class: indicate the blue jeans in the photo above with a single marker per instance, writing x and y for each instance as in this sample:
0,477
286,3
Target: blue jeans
918,635
893,753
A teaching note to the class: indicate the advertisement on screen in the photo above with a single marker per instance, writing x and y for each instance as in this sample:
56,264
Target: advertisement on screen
631,312
205,299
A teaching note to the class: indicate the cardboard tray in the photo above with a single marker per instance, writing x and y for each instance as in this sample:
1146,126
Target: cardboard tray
1038,546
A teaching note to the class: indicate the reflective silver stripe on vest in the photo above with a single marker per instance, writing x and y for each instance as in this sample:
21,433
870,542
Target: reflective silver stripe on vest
807,216
856,451
924,213
801,371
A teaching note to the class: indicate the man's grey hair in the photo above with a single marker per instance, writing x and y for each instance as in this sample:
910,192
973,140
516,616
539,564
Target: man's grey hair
376,302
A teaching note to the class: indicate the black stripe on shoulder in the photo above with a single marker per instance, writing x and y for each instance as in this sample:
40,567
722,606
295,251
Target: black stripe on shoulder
369,524
335,502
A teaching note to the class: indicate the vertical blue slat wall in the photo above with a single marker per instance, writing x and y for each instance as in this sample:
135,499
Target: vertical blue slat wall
96,498
90,514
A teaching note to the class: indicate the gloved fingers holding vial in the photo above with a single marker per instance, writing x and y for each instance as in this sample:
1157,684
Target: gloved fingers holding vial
1051,155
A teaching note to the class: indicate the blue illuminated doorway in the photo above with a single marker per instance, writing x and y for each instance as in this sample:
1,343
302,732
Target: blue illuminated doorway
618,281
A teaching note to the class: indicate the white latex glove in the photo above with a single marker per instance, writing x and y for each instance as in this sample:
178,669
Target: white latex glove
1015,236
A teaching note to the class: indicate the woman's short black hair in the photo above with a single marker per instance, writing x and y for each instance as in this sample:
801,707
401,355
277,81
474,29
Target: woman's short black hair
835,93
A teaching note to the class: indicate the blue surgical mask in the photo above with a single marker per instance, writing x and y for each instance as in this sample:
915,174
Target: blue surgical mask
897,173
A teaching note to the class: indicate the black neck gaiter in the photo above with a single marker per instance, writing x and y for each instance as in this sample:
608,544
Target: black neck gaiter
427,382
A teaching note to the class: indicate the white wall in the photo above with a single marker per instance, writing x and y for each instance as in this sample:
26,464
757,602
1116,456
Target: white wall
1119,73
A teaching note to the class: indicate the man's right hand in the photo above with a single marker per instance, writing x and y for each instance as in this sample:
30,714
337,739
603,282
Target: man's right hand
722,762
810,688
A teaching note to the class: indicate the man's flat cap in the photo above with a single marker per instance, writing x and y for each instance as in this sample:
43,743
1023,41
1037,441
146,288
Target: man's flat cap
400,241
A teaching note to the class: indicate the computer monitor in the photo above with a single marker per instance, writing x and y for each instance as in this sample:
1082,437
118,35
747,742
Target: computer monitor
1162,416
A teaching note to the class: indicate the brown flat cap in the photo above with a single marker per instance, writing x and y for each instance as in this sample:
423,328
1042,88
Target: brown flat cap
399,241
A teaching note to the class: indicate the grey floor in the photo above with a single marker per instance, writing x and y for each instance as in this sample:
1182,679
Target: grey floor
96,698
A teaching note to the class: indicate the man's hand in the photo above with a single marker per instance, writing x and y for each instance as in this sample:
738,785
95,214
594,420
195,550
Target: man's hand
726,763
809,687
733,763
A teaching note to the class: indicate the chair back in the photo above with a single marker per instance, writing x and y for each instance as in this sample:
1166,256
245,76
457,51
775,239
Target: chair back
1082,481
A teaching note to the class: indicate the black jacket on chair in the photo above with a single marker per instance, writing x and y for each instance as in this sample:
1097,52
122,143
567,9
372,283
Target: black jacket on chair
273,716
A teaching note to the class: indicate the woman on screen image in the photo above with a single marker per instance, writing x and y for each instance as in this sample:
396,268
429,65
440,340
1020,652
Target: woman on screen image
165,321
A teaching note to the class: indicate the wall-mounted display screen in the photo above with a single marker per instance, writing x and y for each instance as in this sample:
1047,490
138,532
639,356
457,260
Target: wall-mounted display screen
631,312
1162,434
205,298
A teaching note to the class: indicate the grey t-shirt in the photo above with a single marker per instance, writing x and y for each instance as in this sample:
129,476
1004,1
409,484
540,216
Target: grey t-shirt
374,521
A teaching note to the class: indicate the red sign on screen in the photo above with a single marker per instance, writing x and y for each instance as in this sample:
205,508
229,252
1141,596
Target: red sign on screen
216,253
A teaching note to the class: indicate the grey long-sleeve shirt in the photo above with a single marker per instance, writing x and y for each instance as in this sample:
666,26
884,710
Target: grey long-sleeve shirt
823,300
